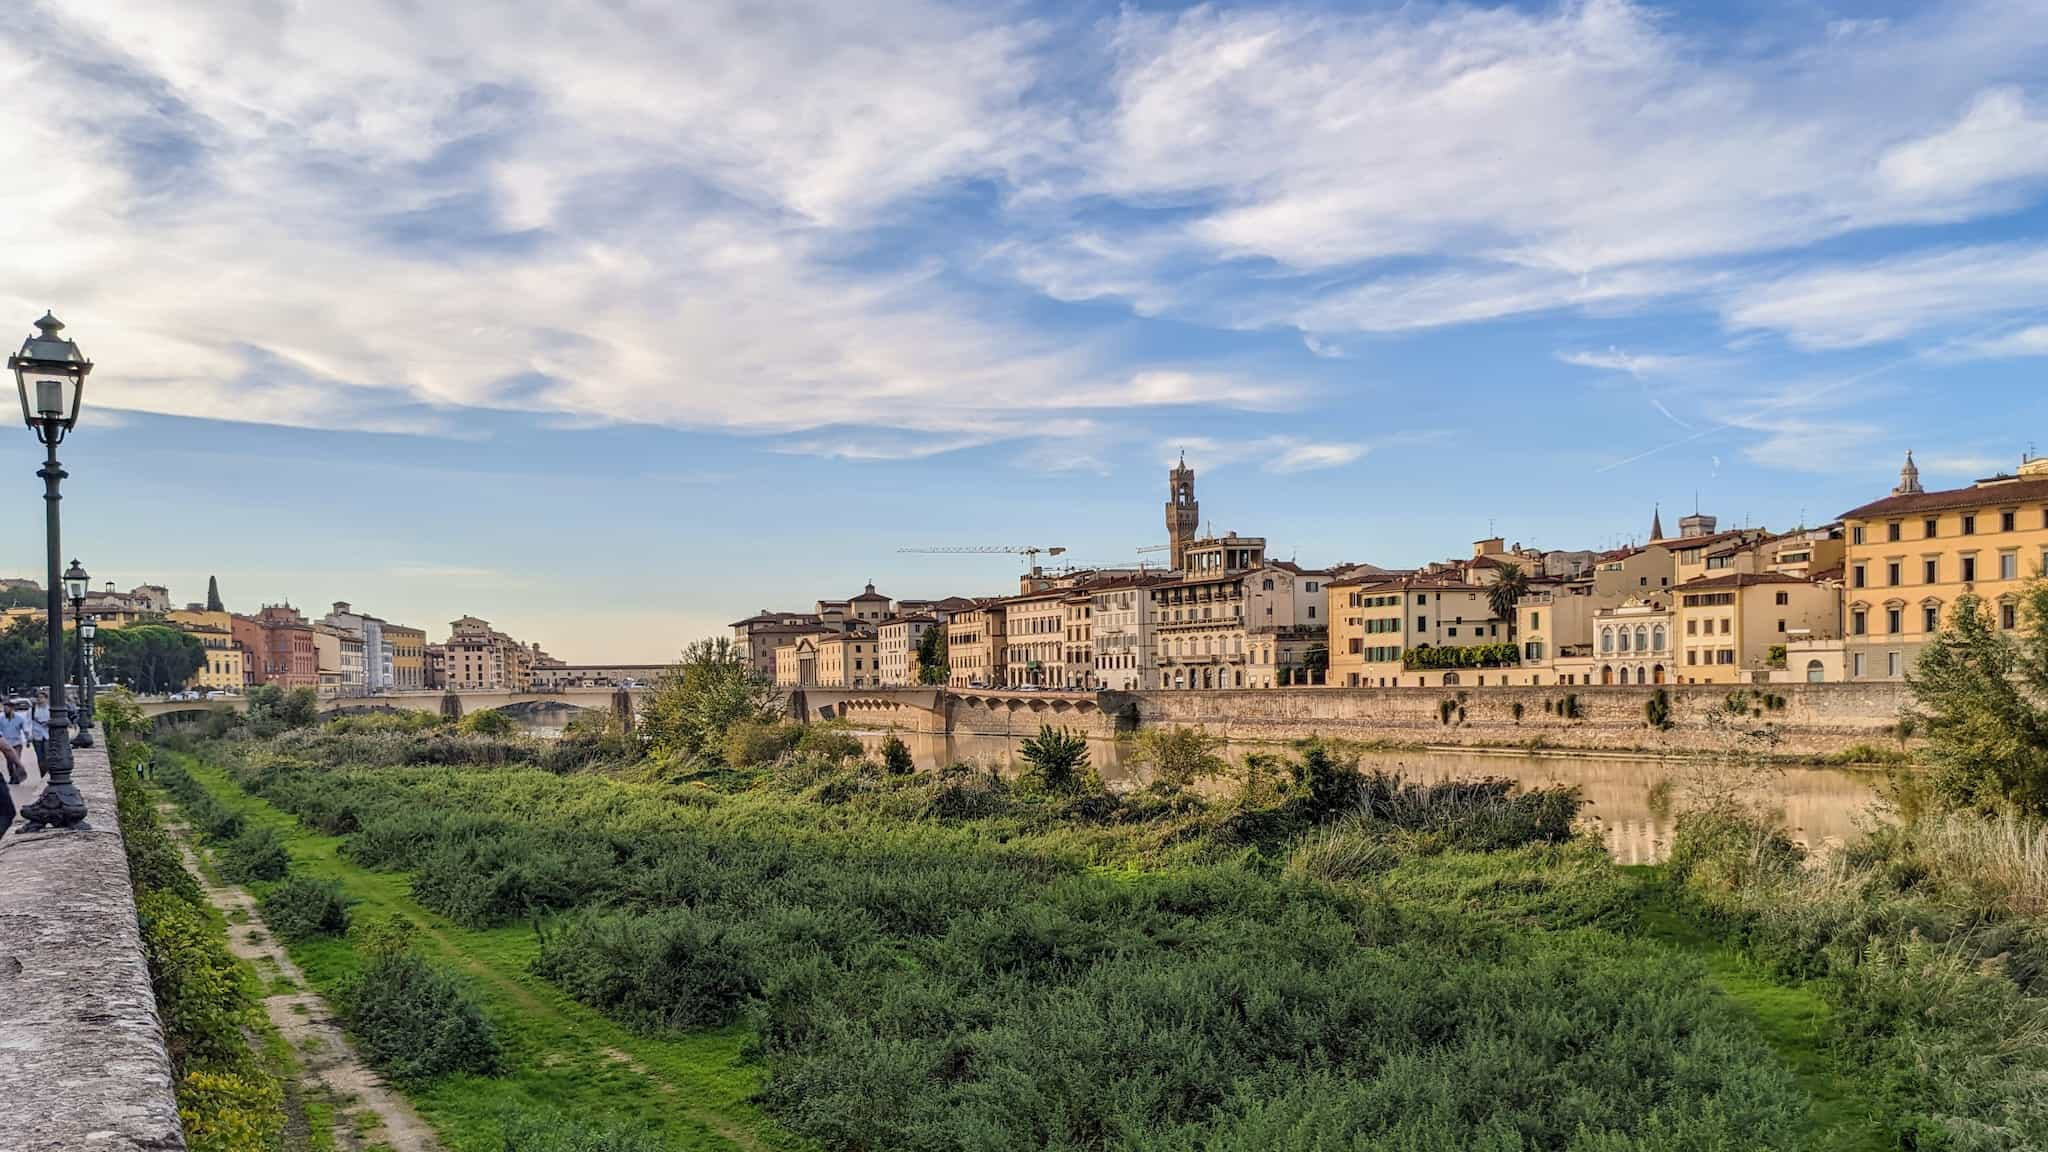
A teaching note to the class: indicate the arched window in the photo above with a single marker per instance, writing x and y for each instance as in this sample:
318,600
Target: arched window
1814,672
1642,641
1657,638
1641,676
1450,679
1607,673
1606,640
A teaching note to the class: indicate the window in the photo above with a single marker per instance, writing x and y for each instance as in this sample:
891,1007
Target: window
1856,578
1357,646
1930,619
1856,534
1312,585
2008,615
1311,611
1422,623
1269,583
1725,656
1784,598
1453,631
1856,664
1657,638
2005,521
1891,663
1856,622
1894,620
1781,625
1535,620
1969,525
1930,571
1891,574
1725,624
1969,569
1891,530
1692,655
2008,565
1606,640
1692,627
1933,527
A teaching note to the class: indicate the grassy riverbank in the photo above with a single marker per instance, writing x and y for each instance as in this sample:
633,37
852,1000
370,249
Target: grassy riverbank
823,954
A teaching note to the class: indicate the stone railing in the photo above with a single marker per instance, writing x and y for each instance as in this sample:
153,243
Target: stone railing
82,1058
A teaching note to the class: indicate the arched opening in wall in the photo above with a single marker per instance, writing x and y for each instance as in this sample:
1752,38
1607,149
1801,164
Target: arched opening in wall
1450,679
1642,675
1607,674
1657,674
1815,674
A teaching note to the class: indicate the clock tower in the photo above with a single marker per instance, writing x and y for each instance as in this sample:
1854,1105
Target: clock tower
1183,514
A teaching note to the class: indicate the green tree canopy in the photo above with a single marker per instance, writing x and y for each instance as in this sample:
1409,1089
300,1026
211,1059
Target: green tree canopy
932,665
149,658
213,603
700,699
1978,695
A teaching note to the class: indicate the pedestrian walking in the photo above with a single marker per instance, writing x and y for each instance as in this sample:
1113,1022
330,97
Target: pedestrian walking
13,738
39,729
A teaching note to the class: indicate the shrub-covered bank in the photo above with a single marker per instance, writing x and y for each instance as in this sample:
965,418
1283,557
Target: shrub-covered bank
962,962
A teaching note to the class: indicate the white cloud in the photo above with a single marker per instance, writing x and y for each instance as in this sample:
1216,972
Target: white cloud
1846,305
2031,340
1269,453
1637,365
1996,142
1962,464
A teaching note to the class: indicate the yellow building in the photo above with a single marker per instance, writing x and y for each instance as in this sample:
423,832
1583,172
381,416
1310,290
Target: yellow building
977,646
408,648
1375,622
216,633
796,661
1728,625
1912,553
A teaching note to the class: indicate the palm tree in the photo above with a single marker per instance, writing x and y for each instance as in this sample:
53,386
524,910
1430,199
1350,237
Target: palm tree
1506,591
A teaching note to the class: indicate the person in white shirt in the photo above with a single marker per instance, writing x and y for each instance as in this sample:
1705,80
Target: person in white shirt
39,729
13,737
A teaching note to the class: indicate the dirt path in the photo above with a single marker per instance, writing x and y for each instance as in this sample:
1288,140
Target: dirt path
303,1019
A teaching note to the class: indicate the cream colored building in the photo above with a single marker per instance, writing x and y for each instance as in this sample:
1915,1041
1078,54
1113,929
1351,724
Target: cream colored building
976,646
1034,639
1728,625
479,658
1554,626
897,640
1376,622
1633,641
1120,632
408,648
1077,662
760,636
796,661
848,659
1911,554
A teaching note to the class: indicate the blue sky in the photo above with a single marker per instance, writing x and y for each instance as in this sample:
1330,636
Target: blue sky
615,322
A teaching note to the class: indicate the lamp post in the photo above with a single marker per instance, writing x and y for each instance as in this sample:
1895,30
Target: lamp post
50,373
75,584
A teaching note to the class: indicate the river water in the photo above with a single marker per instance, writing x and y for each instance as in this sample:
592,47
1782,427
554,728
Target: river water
1630,801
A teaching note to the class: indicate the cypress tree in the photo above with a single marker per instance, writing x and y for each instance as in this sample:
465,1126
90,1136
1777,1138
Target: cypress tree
213,595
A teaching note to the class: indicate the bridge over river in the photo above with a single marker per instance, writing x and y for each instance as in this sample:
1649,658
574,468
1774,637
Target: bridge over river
587,698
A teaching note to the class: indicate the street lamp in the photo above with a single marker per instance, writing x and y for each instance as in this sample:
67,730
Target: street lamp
76,582
50,371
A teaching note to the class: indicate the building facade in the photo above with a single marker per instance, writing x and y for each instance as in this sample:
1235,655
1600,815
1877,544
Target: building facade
1379,621
1733,628
848,659
1120,633
761,635
556,675
479,658
215,631
1034,632
1633,642
408,649
977,646
1909,556
282,640
897,641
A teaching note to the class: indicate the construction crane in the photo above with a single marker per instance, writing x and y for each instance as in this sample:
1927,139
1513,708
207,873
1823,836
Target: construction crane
1157,548
1030,554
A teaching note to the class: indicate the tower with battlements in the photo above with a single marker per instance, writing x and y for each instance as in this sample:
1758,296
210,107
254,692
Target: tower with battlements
1183,514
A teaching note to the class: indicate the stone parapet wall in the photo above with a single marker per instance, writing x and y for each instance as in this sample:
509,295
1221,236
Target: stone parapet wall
82,1059
1787,719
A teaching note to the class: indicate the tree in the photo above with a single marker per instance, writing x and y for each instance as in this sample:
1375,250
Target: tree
1977,696
1506,591
1058,758
931,656
700,699
213,603
1315,663
896,759
1326,778
149,658
1176,757
489,722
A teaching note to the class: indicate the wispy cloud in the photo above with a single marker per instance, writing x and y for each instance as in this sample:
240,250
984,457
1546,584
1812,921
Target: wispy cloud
1268,453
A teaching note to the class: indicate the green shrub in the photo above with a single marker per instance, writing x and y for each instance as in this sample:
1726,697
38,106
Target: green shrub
230,1112
1059,760
828,741
414,1022
302,907
489,722
667,972
257,854
1326,777
754,743
1176,757
1657,710
896,758
201,995
1426,657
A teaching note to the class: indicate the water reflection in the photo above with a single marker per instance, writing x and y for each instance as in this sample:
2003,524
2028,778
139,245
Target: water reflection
1629,801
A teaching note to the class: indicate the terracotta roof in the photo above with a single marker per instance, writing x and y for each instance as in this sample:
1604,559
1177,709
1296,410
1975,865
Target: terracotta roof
1410,583
1982,494
1688,543
772,618
913,618
1738,580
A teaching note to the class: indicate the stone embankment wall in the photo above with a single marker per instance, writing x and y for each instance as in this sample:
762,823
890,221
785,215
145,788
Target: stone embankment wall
1783,719
82,1057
